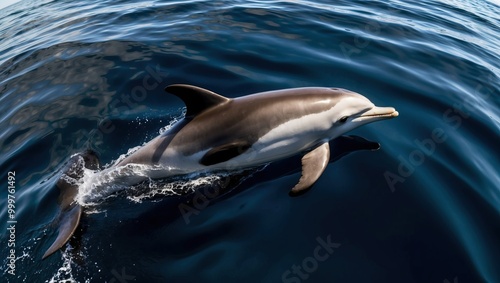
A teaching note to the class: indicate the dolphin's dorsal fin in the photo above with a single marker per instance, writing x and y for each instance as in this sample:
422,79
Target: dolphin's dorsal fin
196,99
313,165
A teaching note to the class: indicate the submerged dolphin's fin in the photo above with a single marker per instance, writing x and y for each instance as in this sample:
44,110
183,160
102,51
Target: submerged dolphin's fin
224,152
196,99
344,145
313,165
71,211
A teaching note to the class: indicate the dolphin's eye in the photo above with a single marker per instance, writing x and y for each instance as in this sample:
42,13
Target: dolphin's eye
343,119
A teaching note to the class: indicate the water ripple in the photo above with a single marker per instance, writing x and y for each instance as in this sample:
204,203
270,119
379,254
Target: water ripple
86,74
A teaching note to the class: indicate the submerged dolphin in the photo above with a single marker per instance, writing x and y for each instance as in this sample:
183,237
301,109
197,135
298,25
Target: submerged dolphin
219,133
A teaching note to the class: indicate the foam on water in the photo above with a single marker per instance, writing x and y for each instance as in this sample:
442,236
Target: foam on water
159,188
123,156
135,179
65,273
97,185
173,121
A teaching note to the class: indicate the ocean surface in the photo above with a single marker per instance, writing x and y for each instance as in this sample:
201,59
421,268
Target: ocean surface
425,207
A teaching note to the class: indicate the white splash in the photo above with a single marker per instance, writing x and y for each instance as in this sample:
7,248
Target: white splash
173,121
123,156
97,185
139,183
159,188
65,272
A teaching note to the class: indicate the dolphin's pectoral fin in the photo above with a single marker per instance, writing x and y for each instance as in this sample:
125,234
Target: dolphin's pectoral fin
69,220
313,165
224,153
196,99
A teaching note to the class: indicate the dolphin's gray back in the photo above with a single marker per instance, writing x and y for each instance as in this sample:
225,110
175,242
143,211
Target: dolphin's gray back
215,121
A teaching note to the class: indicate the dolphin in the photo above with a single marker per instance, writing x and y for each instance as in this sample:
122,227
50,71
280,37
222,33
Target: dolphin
220,133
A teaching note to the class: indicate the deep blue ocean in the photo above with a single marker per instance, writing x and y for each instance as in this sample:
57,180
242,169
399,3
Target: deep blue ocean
425,207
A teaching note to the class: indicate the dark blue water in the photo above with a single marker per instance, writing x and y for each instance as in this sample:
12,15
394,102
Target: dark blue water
90,74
